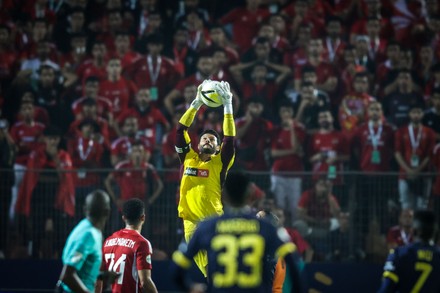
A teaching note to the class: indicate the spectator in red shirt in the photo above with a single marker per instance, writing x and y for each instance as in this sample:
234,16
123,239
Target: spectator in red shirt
372,11
327,79
414,145
353,108
318,210
122,146
27,135
401,234
89,111
253,137
297,56
391,63
123,50
115,88
378,44
245,22
47,198
198,34
205,70
373,149
328,152
277,41
86,150
304,11
135,177
219,39
181,53
40,114
96,65
287,155
259,84
91,90
154,71
152,123
334,45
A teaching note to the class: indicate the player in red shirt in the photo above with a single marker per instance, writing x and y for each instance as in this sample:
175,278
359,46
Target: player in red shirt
27,136
327,153
401,234
287,153
127,252
122,146
115,88
414,145
143,182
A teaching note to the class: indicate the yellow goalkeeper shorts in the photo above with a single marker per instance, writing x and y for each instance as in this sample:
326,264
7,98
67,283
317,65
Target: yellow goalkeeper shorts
201,258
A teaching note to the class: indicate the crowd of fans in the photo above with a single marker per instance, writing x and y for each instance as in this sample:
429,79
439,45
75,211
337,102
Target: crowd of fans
319,86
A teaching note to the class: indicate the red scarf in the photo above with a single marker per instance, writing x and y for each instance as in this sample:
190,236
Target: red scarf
65,199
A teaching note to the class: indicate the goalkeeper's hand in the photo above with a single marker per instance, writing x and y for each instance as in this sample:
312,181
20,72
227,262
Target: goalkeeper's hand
224,90
197,102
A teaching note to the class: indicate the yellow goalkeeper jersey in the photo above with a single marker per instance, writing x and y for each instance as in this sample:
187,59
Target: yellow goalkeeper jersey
200,188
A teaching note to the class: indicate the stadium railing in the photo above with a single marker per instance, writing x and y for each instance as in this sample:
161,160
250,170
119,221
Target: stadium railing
369,202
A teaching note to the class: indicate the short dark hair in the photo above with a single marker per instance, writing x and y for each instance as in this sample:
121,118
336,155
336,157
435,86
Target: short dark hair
213,132
88,102
308,68
236,186
286,103
424,224
155,38
91,122
132,210
92,78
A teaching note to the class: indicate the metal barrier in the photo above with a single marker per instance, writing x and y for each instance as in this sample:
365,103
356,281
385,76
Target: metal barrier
369,206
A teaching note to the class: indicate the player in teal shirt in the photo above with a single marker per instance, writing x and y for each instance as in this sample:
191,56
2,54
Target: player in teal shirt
82,255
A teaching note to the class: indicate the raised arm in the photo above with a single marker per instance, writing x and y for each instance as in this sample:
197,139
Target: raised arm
227,151
183,141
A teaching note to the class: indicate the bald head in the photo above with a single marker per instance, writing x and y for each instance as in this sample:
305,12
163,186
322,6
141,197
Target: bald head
97,205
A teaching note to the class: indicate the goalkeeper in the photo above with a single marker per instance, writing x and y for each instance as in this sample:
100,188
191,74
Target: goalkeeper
205,171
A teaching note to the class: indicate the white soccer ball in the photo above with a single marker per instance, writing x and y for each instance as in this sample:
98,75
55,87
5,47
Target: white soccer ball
209,95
